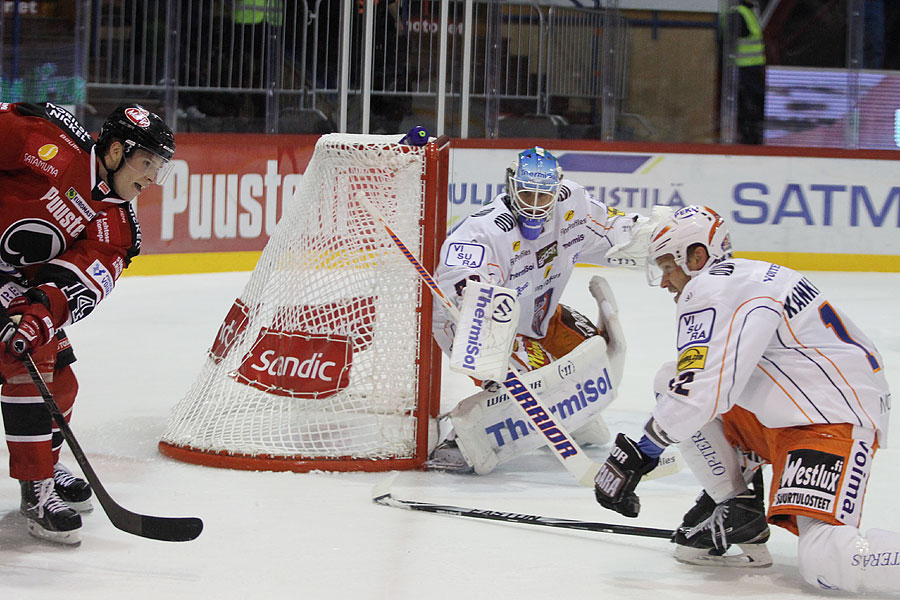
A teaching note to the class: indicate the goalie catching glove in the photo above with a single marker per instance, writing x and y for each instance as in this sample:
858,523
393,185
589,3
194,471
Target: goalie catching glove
618,477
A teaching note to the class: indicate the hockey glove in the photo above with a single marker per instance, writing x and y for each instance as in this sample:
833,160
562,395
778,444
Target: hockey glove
615,482
33,322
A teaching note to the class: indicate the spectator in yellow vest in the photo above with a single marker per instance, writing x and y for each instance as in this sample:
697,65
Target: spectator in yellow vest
253,12
750,59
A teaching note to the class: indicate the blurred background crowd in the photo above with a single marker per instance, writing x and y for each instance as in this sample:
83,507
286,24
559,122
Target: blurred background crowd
822,73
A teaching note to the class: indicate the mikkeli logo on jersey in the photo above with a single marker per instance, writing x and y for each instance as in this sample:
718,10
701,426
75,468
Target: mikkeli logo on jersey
546,254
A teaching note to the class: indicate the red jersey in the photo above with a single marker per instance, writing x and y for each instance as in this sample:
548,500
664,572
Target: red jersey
60,224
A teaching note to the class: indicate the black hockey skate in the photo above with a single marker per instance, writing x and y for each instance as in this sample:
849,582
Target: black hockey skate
48,517
710,529
74,491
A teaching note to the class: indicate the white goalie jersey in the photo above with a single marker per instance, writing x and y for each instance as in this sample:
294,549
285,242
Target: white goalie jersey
488,247
762,336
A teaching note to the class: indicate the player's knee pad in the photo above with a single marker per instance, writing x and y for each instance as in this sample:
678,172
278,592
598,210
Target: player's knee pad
491,428
841,557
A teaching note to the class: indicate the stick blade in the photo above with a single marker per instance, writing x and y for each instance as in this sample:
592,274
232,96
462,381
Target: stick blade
381,492
170,529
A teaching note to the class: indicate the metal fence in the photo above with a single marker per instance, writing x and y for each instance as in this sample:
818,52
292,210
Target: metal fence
300,66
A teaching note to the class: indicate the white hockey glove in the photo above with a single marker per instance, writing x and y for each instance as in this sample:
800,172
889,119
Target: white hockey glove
635,249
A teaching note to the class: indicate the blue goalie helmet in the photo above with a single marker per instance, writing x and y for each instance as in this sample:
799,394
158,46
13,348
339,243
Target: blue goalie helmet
532,181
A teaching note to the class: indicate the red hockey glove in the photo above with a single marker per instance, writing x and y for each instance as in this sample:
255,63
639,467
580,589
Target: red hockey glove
33,322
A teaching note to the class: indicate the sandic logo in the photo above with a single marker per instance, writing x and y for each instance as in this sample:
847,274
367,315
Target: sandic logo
297,364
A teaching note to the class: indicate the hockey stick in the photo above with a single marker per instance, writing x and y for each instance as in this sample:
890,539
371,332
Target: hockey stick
166,529
381,494
569,453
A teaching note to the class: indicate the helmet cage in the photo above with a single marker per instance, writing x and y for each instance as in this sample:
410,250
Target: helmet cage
686,227
533,182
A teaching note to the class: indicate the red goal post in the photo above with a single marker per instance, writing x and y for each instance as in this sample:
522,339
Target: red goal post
326,360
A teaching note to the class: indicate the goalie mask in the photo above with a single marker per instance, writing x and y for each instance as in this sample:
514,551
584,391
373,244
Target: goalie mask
533,181
688,226
138,129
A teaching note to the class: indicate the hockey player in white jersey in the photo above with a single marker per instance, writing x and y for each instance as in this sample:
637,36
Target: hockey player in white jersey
768,366
527,241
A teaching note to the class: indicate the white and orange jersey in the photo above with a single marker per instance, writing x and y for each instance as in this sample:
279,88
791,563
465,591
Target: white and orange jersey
764,337
488,247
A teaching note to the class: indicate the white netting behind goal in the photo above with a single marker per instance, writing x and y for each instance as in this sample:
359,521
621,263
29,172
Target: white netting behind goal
319,357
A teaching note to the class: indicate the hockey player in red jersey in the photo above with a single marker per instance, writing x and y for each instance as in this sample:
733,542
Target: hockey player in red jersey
67,231
769,370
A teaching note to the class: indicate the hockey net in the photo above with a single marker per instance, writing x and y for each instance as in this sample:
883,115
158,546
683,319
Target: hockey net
326,361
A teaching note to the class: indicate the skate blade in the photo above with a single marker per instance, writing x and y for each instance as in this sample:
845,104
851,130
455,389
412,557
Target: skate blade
84,506
443,467
68,538
752,556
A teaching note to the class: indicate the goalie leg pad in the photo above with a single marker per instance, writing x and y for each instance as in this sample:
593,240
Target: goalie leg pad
608,322
491,429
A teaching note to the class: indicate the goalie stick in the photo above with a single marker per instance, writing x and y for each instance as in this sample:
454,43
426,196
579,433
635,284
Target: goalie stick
166,529
381,494
560,442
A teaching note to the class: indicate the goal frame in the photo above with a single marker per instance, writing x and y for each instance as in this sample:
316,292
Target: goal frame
434,228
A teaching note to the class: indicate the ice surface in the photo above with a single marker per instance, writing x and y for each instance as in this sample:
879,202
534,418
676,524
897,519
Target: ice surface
318,535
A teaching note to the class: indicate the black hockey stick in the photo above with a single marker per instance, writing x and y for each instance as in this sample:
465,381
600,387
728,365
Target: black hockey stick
381,494
166,529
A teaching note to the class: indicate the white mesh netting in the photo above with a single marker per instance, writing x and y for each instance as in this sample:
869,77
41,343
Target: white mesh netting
318,356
